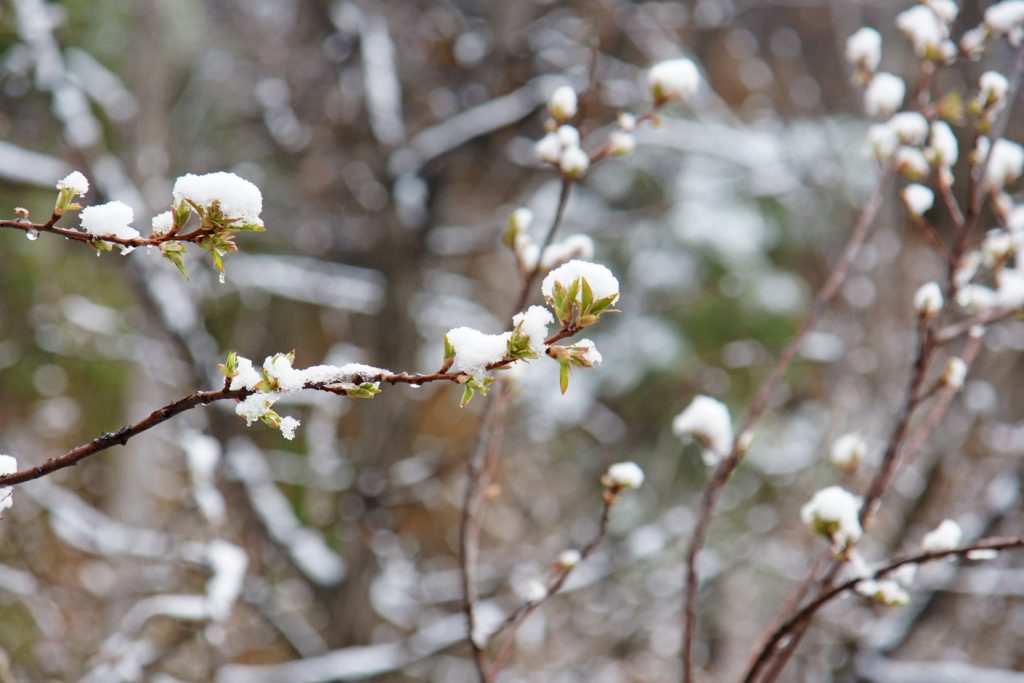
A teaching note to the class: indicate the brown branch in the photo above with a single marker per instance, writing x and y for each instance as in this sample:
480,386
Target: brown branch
79,236
807,612
760,404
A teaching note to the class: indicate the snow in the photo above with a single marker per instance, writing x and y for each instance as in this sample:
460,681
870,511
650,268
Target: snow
911,127
567,559
946,536
864,49
228,563
833,512
568,136
625,475
279,368
532,591
923,28
586,353
75,182
621,143
248,376
601,281
474,350
848,450
347,375
288,426
113,219
563,103
918,199
1006,17
627,122
533,324
162,222
943,145
8,465
255,406
521,219
992,90
237,197
911,162
928,300
572,247
954,374
886,591
706,420
882,141
574,162
673,79
549,148
1005,164
884,94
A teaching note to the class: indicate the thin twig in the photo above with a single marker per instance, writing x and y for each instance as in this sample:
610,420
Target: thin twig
808,611
760,403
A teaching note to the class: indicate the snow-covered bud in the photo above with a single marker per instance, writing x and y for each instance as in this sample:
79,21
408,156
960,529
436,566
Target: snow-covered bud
623,475
673,79
918,199
992,90
223,196
997,246
521,219
1006,18
848,450
884,591
707,421
574,246
975,41
71,186
584,354
982,554
589,288
8,465
474,351
532,591
945,10
911,163
162,223
864,49
113,219
548,149
244,376
1005,164
884,94
911,127
621,143
833,513
924,30
928,300
567,559
280,373
529,330
574,162
946,536
562,104
627,122
954,374
943,149
568,136
256,406
882,141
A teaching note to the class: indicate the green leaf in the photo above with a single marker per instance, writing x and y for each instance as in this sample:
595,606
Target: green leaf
230,368
175,253
449,350
563,377
601,304
467,395
588,296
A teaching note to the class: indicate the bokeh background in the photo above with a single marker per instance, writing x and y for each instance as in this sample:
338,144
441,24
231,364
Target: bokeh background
391,140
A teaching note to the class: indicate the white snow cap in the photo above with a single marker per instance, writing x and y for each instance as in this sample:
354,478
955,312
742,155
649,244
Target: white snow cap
113,218
918,199
1006,163
521,219
562,103
833,512
347,375
255,406
945,10
567,559
534,323
911,162
886,591
621,143
624,475
946,536
574,162
674,79
928,300
532,591
248,376
8,465
1006,17
848,450
706,420
474,350
74,181
882,141
627,122
864,49
600,279
588,353
228,563
884,94
924,29
288,426
548,149
572,247
162,222
942,145
910,126
954,374
992,90
279,367
238,198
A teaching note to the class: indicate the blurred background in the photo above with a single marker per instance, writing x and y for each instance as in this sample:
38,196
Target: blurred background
391,140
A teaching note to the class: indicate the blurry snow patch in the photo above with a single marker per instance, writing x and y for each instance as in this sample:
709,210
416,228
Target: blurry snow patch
777,291
101,84
202,453
310,280
228,563
823,347
347,664
90,315
884,670
23,166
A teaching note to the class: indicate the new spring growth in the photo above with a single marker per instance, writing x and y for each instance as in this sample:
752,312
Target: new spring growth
619,477
673,79
833,513
73,185
562,104
580,291
993,88
582,354
918,199
864,52
928,300
707,421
